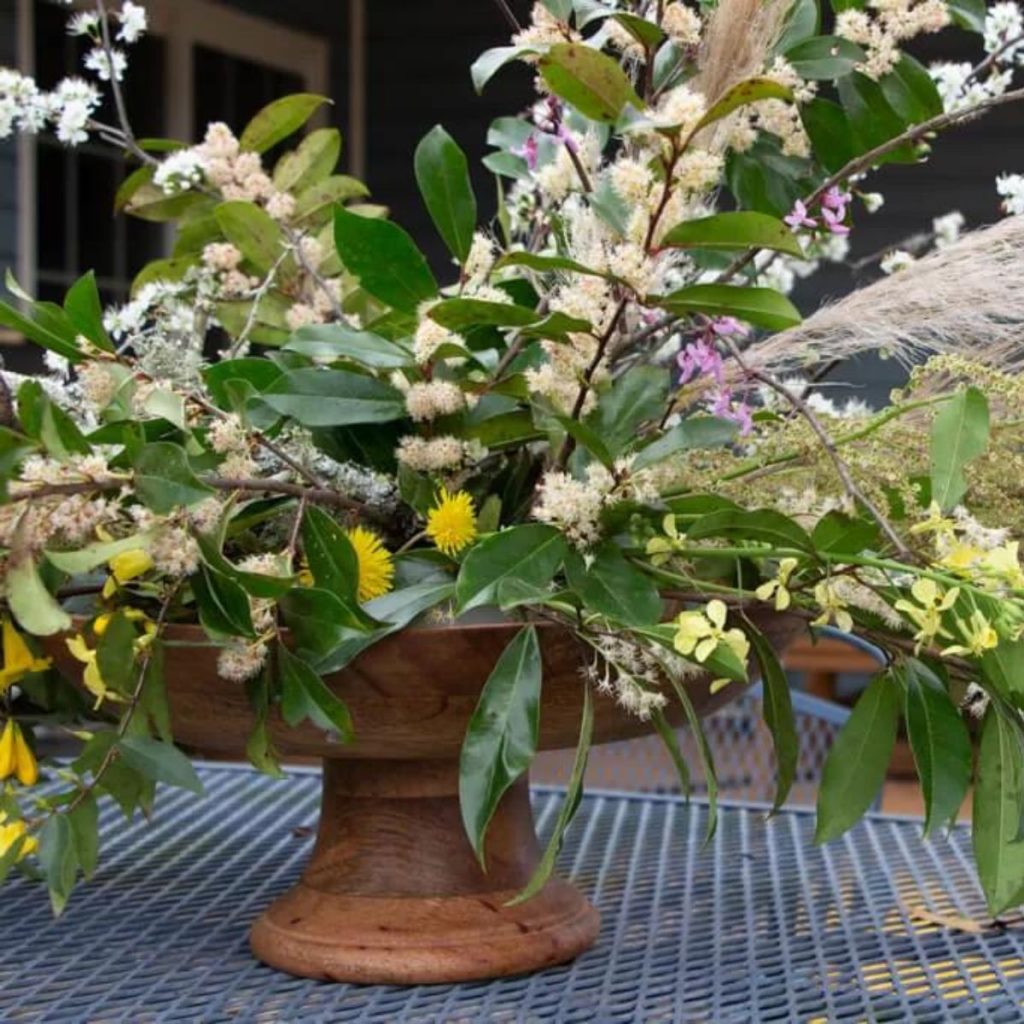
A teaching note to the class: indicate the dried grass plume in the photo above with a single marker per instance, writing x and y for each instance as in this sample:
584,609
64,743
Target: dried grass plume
967,299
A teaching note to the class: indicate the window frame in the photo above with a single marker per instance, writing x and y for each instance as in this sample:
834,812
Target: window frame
184,25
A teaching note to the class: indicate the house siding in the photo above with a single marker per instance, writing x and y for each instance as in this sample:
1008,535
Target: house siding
8,153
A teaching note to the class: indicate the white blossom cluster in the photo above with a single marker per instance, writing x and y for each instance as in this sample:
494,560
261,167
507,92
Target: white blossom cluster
885,25
1011,188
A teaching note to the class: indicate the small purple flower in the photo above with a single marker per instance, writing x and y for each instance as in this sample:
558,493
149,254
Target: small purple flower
835,199
528,151
739,412
834,221
699,357
725,326
742,415
799,218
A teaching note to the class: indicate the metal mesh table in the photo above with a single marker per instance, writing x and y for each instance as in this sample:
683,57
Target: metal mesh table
761,926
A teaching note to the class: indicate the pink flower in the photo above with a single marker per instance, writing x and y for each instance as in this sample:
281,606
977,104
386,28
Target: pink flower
835,199
799,218
528,151
724,326
834,221
739,413
699,357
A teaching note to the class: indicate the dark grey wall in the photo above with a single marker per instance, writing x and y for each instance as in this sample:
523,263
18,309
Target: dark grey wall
8,164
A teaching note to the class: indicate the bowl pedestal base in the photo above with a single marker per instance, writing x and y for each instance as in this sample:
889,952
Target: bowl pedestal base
393,893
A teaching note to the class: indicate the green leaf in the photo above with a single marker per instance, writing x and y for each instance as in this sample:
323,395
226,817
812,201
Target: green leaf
164,480
637,397
707,761
911,91
570,804
340,341
610,586
825,57
959,434
258,748
57,859
872,117
735,230
306,695
753,90
762,307
858,760
159,761
645,32
442,173
671,742
222,603
253,231
996,813
85,834
385,259
778,714
84,309
802,21
320,620
760,525
968,14
695,432
462,314
276,121
312,204
491,61
501,738
532,554
940,743
548,264
84,560
830,133
587,439
315,158
591,81
55,340
334,398
115,655
332,559
838,534
35,608
153,709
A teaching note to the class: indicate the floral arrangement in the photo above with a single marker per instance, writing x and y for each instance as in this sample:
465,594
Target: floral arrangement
611,416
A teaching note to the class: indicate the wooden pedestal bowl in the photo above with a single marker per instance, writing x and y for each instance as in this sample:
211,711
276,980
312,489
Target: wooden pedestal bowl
393,892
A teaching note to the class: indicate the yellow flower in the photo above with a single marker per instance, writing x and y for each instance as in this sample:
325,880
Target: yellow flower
1004,563
16,757
661,549
961,557
19,661
91,675
451,524
13,832
936,523
833,607
927,613
376,567
126,566
778,586
979,636
699,633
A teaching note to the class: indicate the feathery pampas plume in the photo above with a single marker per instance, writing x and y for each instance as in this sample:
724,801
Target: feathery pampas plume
738,38
967,299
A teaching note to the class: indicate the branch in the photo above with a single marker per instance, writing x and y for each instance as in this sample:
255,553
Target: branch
509,16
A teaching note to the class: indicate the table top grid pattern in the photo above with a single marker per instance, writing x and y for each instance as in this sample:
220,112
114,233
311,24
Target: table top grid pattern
761,925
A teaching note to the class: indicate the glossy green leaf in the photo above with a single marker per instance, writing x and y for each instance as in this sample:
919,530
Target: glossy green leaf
340,341
547,264
164,480
613,587
645,32
258,748
670,740
968,14
996,813
570,804
802,21
637,397
734,230
35,608
385,259
314,203
778,715
320,621
692,433
591,81
501,738
222,603
314,159
84,309
256,584
707,761
753,90
838,534
858,759
829,130
85,834
442,173
911,91
940,744
825,57
330,554
253,231
531,553
115,655
462,314
306,695
55,340
872,117
760,525
959,434
159,761
57,859
491,61
276,121
762,307
334,398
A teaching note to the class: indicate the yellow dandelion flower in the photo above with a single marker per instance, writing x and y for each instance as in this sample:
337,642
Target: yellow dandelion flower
451,524
376,567
19,661
16,757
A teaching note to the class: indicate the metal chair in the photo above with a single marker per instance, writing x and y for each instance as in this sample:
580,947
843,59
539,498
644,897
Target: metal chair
741,747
